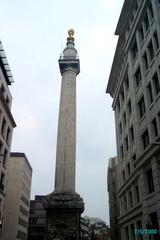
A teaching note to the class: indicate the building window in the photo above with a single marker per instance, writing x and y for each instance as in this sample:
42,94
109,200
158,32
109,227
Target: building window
145,139
122,94
130,199
156,83
3,128
127,83
132,134
118,105
126,143
141,33
5,158
120,128
155,40
1,148
150,50
122,152
125,204
124,118
128,169
126,233
2,179
7,100
123,175
139,226
150,181
154,223
150,11
137,194
138,76
154,127
8,135
146,22
2,89
149,87
134,50
142,108
132,228
145,60
129,107
133,160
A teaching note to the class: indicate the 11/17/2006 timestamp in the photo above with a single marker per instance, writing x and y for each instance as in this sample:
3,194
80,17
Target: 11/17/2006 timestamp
143,231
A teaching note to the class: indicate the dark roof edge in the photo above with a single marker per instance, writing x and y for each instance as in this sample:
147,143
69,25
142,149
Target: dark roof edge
124,15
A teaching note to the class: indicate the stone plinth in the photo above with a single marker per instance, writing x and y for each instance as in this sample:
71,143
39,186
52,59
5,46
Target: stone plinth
63,215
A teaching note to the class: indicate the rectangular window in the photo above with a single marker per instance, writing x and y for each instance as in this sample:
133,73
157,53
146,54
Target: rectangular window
127,83
156,83
150,11
122,153
125,204
120,128
132,228
137,194
134,50
154,223
145,60
145,139
156,42
124,118
150,50
122,94
129,107
5,158
133,160
150,181
138,76
141,33
130,199
139,226
128,169
126,233
123,175
132,134
154,127
3,128
149,87
1,149
146,22
2,180
126,143
8,135
118,105
142,108
2,89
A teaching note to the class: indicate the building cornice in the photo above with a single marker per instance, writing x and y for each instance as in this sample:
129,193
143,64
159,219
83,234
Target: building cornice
124,16
20,154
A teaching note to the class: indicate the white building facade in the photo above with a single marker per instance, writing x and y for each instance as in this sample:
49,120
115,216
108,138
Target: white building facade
7,124
17,200
134,85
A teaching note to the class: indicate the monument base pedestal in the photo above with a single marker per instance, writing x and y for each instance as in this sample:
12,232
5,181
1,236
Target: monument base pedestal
63,215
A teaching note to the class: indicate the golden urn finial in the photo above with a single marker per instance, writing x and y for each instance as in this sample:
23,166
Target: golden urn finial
70,33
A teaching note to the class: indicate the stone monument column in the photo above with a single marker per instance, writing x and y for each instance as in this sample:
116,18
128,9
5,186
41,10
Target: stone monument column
64,206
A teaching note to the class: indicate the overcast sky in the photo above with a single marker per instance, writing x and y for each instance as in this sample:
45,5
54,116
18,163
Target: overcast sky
33,34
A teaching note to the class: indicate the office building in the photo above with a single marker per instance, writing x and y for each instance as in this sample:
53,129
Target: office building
17,200
7,124
37,219
112,182
134,85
